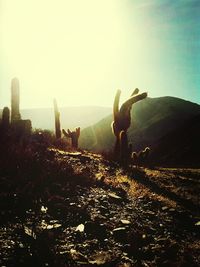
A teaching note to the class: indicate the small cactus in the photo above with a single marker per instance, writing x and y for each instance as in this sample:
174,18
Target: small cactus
5,123
73,135
134,157
122,121
57,120
5,118
140,157
144,154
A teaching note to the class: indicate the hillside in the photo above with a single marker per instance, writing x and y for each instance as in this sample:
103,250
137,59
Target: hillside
71,117
184,148
152,120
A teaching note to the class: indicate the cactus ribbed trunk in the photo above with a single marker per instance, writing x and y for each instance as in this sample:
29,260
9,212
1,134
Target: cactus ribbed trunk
124,150
15,100
57,120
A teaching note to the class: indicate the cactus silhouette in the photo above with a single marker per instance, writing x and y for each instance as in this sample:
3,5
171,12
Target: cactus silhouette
57,119
5,118
74,135
140,157
15,99
5,123
135,157
122,121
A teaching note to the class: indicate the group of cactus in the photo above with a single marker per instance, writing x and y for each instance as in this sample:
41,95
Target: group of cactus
21,127
121,123
73,135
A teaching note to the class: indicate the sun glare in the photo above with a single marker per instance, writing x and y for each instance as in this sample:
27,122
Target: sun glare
60,48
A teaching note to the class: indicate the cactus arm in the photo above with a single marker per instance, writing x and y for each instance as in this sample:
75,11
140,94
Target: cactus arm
78,131
126,106
69,132
65,133
116,105
125,114
115,128
135,92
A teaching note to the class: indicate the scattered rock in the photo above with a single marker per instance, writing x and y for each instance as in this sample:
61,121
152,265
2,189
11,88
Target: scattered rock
125,222
80,228
120,234
114,198
172,209
113,195
44,209
47,226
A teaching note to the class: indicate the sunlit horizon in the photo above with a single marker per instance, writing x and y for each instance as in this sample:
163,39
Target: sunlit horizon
81,52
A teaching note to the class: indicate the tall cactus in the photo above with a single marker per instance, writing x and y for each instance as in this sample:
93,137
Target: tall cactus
122,121
57,119
74,135
15,100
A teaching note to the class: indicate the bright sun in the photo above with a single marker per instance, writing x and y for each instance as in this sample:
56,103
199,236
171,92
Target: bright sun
82,51
60,48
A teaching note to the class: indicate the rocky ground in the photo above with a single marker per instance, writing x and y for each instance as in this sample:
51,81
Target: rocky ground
79,209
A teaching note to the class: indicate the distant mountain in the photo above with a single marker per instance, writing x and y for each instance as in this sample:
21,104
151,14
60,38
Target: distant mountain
70,117
153,119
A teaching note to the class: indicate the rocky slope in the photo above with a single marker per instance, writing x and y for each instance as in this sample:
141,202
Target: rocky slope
78,209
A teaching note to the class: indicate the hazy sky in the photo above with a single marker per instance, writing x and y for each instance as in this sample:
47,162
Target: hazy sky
82,51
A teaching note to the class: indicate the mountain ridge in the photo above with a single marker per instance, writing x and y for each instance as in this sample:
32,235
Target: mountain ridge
152,119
